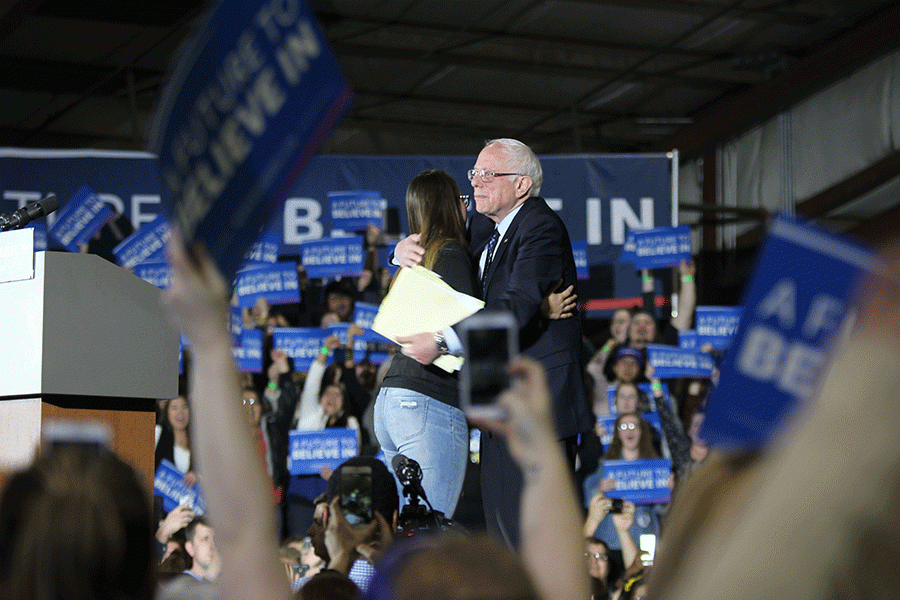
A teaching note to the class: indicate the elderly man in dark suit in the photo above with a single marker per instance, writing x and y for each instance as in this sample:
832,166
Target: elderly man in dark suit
523,251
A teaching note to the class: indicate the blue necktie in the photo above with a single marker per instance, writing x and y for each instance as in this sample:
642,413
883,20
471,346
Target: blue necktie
492,243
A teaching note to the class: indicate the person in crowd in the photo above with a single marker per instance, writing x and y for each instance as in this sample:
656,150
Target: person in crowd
523,251
173,438
605,572
633,440
417,410
627,366
340,298
76,524
618,335
172,525
200,544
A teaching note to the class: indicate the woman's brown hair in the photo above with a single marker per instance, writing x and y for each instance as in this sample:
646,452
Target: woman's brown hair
433,207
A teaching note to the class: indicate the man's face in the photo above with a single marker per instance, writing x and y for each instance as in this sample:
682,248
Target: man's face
202,548
643,329
316,531
340,304
502,194
597,567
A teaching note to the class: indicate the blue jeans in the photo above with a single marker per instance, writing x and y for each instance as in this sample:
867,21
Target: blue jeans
433,434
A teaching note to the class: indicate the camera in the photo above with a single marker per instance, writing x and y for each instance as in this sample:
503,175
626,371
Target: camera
617,505
490,340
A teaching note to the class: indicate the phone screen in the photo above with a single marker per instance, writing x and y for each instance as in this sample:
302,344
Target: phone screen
356,494
488,356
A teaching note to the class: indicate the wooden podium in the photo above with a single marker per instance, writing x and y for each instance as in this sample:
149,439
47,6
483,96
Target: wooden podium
83,339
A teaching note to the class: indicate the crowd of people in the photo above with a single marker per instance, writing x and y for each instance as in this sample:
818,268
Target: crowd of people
553,525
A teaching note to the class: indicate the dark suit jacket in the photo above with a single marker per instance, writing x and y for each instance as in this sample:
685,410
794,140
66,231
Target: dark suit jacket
531,258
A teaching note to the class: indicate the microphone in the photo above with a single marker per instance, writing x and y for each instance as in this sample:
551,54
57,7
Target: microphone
28,213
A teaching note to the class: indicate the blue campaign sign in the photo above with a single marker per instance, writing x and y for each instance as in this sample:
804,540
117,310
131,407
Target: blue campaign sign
640,481
253,96
309,451
300,343
580,252
354,211
671,362
277,283
147,244
364,314
333,257
264,250
659,247
369,345
384,257
717,325
156,273
248,357
235,323
167,483
80,219
687,339
803,289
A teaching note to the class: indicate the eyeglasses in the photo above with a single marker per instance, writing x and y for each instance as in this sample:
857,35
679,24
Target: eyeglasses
466,199
250,401
624,426
596,556
487,176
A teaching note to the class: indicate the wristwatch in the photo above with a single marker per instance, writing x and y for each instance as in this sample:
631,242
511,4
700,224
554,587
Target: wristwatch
441,343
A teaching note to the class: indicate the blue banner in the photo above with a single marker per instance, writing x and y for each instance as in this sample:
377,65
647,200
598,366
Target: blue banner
147,244
155,273
277,283
600,197
580,252
309,451
253,96
671,362
687,339
80,219
264,251
300,343
167,484
354,211
235,323
657,248
333,257
640,481
716,325
364,314
803,288
248,357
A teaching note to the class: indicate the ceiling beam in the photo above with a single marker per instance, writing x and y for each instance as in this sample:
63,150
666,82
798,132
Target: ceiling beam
832,61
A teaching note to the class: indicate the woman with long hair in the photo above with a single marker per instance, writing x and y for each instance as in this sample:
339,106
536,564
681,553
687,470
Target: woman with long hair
173,437
417,410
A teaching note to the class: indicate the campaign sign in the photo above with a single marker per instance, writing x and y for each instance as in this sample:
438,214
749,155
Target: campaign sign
364,314
167,483
300,343
333,257
384,257
248,357
608,424
580,252
277,283
354,211
253,96
717,325
80,219
369,345
659,247
803,288
157,273
645,388
235,323
670,362
309,451
687,339
147,244
643,481
264,251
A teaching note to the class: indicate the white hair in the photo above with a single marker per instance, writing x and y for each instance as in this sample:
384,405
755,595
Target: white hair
524,160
